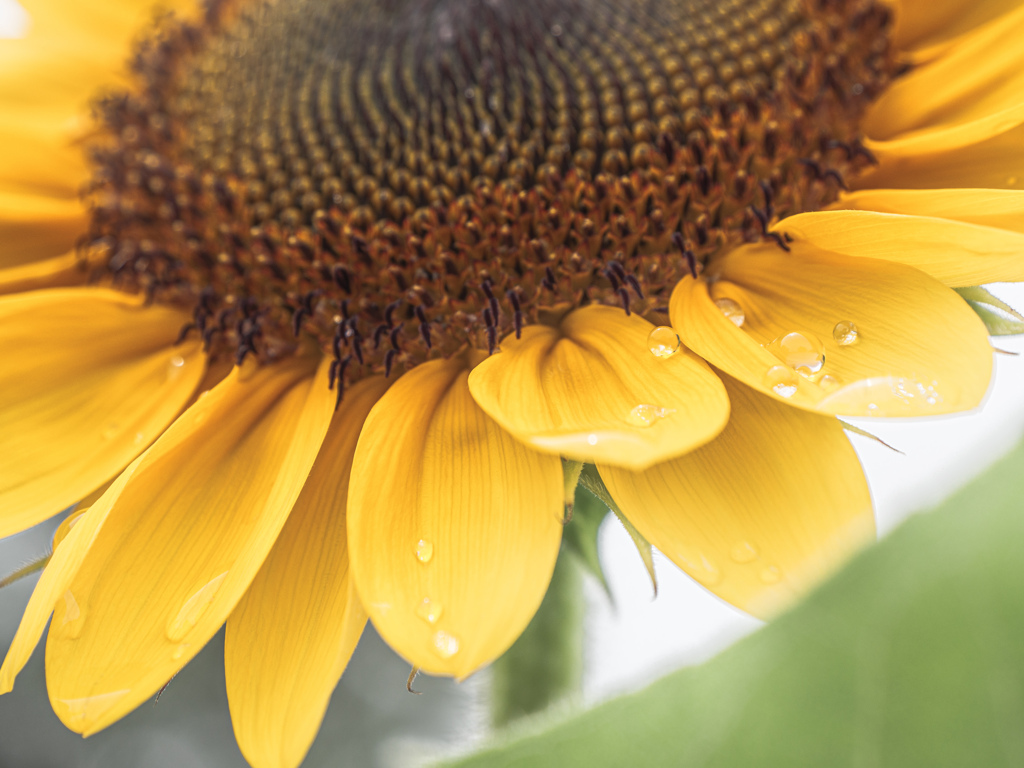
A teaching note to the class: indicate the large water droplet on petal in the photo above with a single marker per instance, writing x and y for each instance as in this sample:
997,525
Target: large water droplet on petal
731,310
194,608
743,552
801,352
845,333
781,380
424,551
445,644
646,415
663,341
429,611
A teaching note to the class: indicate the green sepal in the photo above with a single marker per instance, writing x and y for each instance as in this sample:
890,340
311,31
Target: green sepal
591,480
999,317
580,535
570,479
864,433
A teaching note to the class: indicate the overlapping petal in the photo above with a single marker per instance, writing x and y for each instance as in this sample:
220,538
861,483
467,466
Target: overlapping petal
290,637
90,378
919,350
761,513
927,23
1000,208
454,526
591,390
175,546
957,253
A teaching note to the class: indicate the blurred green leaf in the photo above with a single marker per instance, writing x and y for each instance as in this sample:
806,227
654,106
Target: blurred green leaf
999,317
580,534
910,656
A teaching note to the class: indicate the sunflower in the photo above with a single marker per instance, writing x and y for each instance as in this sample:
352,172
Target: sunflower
328,303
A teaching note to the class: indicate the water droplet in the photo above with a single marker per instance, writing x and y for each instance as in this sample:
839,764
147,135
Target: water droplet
663,341
180,651
845,333
771,575
429,611
139,438
424,551
445,644
801,352
781,380
884,396
591,439
732,310
708,573
90,708
645,415
72,615
829,383
194,608
744,552
177,361
65,527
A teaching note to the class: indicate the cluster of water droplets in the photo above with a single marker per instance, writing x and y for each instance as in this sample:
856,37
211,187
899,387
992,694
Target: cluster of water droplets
445,643
746,554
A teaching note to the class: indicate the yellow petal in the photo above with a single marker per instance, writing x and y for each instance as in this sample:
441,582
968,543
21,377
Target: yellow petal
453,525
979,82
90,378
761,513
592,390
919,349
182,540
995,163
1001,208
34,227
923,23
60,272
291,636
955,252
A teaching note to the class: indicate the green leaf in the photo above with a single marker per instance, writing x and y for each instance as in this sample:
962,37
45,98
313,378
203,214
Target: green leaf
911,656
580,534
999,317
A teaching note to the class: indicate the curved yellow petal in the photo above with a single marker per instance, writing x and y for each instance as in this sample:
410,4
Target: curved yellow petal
925,23
761,513
290,637
453,525
994,163
182,540
956,253
90,378
59,272
34,227
1000,208
592,390
978,82
919,349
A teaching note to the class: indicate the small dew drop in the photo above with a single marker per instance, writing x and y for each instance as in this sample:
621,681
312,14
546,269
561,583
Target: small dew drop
771,575
744,552
445,644
829,383
556,30
90,708
65,527
429,611
845,333
646,415
801,352
139,437
424,551
732,310
663,341
194,608
180,651
781,380
591,439
177,361
72,613
709,573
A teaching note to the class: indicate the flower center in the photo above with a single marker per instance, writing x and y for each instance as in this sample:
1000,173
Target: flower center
398,179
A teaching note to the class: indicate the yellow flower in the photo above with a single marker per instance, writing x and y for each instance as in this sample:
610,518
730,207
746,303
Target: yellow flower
351,277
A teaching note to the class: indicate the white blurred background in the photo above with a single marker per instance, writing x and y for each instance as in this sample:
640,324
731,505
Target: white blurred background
373,721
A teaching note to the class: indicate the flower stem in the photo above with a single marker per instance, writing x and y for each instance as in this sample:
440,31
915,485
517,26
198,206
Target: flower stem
545,665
